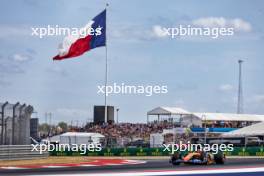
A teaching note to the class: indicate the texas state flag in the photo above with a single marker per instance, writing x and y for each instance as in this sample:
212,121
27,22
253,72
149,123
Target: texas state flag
91,36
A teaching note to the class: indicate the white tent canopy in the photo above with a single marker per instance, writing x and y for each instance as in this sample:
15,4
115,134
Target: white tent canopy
252,130
82,134
168,111
174,131
229,117
198,118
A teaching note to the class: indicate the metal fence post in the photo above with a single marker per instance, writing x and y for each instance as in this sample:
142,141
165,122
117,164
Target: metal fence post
3,121
19,122
13,123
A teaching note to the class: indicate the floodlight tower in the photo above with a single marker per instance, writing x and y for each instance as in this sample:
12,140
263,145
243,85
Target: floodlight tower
240,90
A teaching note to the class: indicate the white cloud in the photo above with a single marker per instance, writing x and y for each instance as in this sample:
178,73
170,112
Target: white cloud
211,22
14,64
226,87
25,56
158,31
258,98
21,57
237,24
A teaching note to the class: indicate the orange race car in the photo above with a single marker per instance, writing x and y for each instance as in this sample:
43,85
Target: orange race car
198,157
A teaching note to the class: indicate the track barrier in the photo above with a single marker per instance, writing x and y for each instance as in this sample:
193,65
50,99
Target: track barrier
19,152
238,151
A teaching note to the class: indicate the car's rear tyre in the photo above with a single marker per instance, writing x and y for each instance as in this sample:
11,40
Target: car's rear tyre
219,158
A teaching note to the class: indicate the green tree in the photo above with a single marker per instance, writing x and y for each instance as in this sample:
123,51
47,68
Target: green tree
44,128
63,126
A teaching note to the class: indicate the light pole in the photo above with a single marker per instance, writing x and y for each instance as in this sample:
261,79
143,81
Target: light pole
50,114
117,109
50,128
46,117
240,90
205,129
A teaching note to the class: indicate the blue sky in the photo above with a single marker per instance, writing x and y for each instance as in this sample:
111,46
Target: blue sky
201,73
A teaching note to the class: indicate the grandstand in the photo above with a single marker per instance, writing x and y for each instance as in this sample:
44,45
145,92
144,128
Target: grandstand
216,122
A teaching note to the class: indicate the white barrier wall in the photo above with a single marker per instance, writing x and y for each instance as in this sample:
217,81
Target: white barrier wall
156,140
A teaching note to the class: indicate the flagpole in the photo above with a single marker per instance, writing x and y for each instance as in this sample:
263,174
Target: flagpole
106,64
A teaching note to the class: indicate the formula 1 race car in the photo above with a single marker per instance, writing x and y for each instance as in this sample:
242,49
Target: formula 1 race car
200,157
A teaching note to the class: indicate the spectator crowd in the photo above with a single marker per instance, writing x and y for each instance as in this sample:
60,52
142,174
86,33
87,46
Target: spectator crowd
128,130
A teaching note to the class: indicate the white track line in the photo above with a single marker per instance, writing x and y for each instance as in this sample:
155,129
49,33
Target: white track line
54,166
11,167
125,162
87,165
153,173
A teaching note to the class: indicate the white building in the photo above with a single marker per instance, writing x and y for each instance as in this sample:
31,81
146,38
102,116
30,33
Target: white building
81,138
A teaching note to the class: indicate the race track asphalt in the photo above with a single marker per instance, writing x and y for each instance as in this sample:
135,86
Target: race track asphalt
150,165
